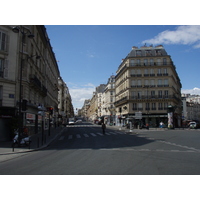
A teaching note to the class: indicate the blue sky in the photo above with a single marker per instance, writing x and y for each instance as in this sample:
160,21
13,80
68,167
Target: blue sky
88,55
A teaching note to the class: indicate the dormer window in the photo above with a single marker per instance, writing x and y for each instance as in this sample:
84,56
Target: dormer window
138,53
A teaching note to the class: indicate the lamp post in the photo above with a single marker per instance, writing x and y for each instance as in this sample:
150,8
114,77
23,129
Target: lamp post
24,31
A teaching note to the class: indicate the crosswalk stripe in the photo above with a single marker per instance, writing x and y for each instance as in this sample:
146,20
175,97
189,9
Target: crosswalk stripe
70,137
121,133
78,136
88,135
113,133
62,137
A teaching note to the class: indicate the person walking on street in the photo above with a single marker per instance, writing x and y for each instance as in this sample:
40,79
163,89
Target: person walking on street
103,128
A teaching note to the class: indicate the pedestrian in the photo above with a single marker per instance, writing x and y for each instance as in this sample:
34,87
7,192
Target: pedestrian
103,126
147,126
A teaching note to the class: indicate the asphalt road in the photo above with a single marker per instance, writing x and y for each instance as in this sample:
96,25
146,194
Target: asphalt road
83,149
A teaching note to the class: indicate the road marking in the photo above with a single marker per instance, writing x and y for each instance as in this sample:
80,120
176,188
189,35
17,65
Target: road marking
78,136
70,137
62,137
121,133
93,134
100,134
86,135
107,133
113,133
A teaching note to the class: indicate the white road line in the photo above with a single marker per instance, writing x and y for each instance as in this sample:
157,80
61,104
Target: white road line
86,135
113,133
62,137
70,137
93,134
107,133
100,134
78,136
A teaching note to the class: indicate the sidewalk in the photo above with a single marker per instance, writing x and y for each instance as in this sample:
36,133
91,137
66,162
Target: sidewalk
7,152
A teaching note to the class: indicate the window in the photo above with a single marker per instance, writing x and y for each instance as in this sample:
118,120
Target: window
165,106
146,72
158,61
153,106
140,106
133,72
145,62
139,83
132,63
152,82
134,106
138,62
1,68
160,106
133,83
153,94
148,52
166,82
146,82
159,82
159,72
138,52
139,94
133,94
139,72
158,52
3,41
159,93
151,62
165,71
166,93
1,95
164,61
147,106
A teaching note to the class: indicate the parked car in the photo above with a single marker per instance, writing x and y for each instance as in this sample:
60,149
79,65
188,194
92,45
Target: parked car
193,125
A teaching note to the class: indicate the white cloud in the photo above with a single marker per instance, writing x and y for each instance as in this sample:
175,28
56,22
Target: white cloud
80,93
191,91
187,35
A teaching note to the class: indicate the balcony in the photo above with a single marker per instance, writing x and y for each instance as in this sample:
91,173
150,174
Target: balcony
121,101
35,82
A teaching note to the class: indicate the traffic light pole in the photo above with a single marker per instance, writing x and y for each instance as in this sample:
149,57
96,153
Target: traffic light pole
49,124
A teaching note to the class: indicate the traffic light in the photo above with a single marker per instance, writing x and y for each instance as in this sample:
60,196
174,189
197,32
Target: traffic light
50,109
24,105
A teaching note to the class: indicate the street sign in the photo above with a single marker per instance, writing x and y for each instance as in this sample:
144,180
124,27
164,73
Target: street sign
138,115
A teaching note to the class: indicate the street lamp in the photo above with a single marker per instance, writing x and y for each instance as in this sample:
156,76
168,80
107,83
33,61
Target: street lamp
24,31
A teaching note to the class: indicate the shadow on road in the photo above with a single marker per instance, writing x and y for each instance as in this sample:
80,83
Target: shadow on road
99,142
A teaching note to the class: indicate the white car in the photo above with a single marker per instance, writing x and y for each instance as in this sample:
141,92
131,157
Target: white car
192,125
71,122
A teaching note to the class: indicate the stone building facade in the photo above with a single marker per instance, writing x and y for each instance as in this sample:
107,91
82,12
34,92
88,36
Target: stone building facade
26,52
147,81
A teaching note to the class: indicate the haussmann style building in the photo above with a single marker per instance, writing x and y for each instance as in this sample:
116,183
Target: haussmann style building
146,85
